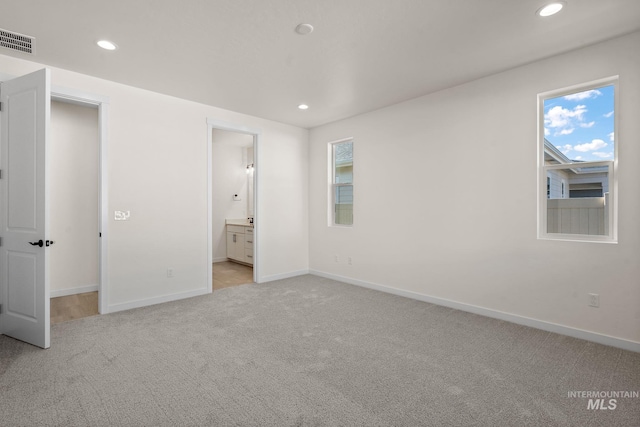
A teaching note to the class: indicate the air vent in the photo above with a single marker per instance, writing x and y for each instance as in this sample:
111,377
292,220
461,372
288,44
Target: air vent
17,42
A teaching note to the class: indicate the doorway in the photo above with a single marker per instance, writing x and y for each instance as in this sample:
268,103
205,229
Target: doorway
79,210
26,155
233,208
74,188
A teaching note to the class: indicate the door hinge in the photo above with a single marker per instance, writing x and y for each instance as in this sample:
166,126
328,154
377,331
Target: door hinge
0,241
0,308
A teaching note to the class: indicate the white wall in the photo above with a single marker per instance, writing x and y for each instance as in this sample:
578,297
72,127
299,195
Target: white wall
157,169
466,234
73,188
230,177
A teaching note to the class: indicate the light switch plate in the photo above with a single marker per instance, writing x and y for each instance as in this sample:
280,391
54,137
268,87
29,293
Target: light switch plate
122,215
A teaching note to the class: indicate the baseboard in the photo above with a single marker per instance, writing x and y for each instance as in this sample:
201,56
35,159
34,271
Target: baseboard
156,300
73,291
222,259
273,277
508,317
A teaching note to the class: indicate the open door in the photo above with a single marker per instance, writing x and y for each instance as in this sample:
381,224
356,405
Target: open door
24,282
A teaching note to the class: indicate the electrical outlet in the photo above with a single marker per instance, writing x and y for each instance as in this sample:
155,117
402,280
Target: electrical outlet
594,300
349,261
335,258
169,272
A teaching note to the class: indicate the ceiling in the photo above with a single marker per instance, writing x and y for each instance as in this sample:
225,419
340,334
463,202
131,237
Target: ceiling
244,55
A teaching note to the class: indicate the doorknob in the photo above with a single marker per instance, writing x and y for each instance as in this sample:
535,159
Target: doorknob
38,243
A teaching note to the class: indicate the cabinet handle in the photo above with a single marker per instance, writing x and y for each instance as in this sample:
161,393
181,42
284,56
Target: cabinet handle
249,241
234,238
249,256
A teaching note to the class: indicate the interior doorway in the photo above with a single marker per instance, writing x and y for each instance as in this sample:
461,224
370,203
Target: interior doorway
27,157
79,208
233,207
74,189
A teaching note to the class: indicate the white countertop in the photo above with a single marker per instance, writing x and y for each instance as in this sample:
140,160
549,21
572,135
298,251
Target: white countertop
243,221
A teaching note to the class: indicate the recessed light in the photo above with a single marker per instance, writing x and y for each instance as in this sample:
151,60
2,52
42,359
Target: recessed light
303,106
304,29
551,9
106,44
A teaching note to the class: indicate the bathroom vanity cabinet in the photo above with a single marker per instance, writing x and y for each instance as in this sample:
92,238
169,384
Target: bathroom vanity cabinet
240,243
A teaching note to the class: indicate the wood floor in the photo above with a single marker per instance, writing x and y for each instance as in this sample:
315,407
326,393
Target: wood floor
74,307
225,274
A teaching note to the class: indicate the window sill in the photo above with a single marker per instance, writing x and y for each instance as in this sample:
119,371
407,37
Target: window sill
578,238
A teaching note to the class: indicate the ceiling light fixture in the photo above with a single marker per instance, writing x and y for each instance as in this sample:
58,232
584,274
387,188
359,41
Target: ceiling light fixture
106,44
551,9
304,29
303,106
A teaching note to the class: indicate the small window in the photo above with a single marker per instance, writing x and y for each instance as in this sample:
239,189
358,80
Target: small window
341,198
577,153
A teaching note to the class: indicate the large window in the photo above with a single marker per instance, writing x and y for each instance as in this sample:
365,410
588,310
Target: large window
341,197
577,158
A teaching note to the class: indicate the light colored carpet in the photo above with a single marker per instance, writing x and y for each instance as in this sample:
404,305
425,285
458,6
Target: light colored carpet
309,351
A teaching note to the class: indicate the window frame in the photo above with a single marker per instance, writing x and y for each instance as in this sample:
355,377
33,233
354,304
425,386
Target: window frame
333,185
612,167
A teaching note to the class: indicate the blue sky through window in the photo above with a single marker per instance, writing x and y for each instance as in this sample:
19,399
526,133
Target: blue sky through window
581,125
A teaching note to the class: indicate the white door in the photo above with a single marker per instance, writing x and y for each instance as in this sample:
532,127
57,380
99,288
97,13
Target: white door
24,282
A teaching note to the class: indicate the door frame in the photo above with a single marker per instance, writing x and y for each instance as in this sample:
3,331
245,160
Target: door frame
84,99
257,136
